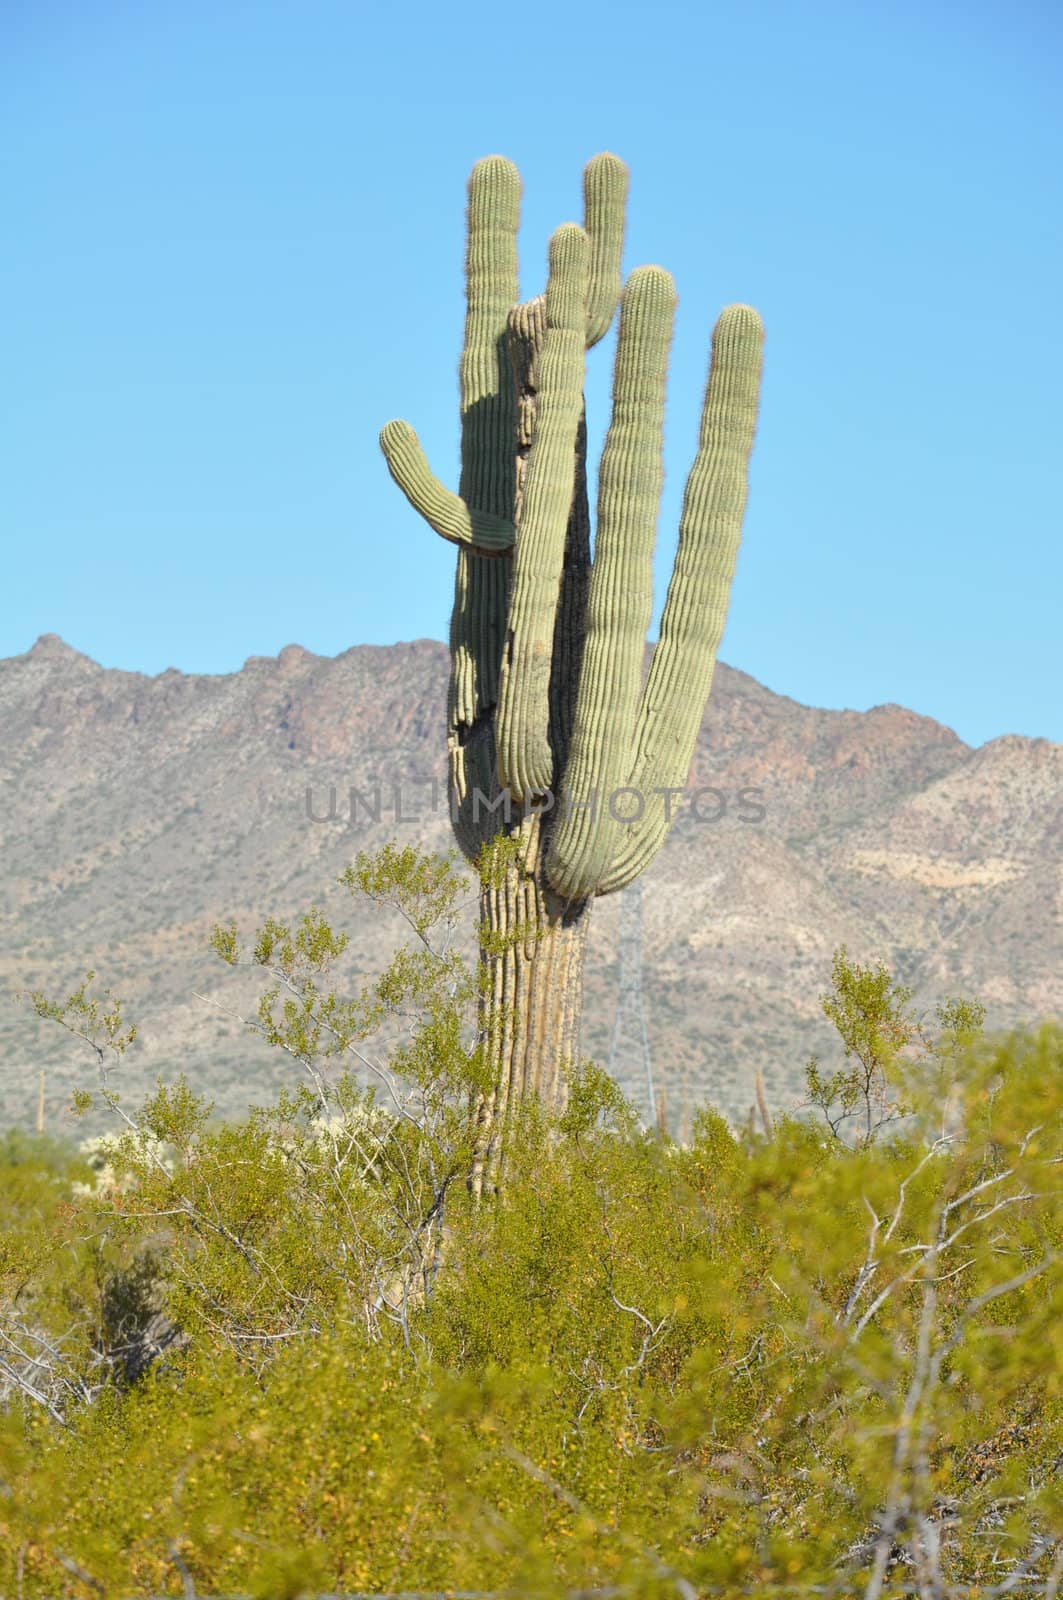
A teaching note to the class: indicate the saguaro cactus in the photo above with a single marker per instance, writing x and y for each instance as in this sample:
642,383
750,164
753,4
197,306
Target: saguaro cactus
564,767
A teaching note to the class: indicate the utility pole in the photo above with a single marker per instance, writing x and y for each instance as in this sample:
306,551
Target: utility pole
630,1037
40,1102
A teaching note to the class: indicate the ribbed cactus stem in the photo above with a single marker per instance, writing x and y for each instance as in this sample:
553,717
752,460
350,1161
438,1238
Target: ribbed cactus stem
605,181
696,607
525,759
488,411
621,589
491,286
443,510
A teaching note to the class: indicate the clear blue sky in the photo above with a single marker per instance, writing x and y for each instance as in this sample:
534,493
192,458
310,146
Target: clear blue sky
234,250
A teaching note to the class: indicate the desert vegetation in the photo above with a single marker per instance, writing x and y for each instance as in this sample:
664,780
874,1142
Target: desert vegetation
302,1354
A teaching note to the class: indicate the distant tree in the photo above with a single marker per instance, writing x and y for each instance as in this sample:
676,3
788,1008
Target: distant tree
879,1031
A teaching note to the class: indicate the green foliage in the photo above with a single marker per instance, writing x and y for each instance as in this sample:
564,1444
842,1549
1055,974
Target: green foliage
890,1049
427,890
774,1366
496,857
21,1149
95,1019
593,1097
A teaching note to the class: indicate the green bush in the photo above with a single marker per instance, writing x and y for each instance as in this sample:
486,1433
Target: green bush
768,1365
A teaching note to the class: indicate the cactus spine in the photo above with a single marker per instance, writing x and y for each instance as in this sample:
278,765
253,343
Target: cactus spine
546,695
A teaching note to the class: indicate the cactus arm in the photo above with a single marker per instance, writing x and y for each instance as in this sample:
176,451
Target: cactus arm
621,589
605,181
525,758
680,677
491,287
447,513
488,413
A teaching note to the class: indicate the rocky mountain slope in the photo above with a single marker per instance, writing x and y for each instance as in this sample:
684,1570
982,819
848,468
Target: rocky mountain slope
139,811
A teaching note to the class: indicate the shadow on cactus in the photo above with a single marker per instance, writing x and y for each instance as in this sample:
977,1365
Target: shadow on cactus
549,722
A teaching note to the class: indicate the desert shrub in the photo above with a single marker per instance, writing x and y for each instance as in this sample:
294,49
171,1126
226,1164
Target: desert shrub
793,1364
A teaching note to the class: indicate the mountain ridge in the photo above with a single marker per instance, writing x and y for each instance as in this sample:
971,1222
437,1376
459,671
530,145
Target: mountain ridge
141,808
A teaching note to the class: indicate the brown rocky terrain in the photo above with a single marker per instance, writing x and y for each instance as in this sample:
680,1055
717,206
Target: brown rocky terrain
140,811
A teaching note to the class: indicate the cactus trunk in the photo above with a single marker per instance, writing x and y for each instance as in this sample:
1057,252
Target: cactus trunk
532,947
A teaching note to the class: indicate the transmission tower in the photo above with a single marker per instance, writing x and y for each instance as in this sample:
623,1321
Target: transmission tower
630,1041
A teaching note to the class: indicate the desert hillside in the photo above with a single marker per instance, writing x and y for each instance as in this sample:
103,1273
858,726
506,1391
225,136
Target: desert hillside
139,811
